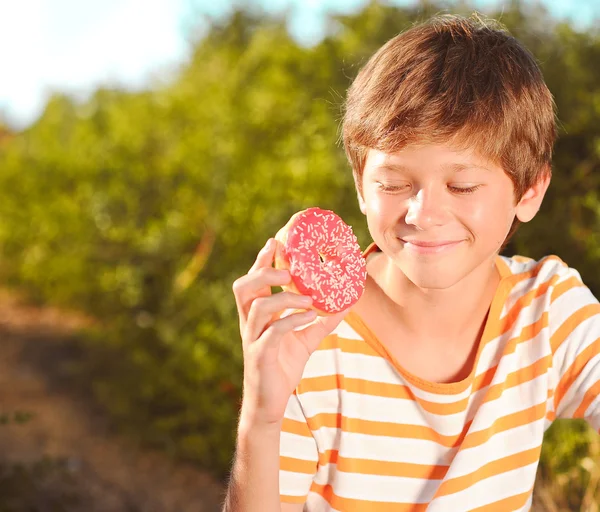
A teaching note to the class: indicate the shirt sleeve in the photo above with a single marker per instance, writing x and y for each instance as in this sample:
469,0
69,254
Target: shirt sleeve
574,323
298,454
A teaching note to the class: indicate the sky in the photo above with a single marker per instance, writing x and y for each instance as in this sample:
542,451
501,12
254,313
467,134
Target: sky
75,46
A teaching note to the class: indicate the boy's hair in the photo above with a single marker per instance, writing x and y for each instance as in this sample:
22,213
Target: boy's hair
457,80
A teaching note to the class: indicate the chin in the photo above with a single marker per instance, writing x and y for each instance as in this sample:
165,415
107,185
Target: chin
432,276
432,282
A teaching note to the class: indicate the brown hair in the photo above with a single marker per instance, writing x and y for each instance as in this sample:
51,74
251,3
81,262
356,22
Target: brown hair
457,80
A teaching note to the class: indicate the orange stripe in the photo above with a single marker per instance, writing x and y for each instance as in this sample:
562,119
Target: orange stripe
503,325
496,326
571,323
285,498
527,333
531,330
352,505
336,382
565,286
509,422
347,345
382,468
489,470
590,395
463,440
518,377
294,465
381,389
384,428
549,258
296,427
515,502
522,302
521,259
328,457
574,371
400,430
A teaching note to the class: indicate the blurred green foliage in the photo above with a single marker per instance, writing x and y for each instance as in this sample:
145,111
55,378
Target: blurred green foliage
140,209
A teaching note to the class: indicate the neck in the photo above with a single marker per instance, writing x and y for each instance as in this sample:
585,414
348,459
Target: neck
457,310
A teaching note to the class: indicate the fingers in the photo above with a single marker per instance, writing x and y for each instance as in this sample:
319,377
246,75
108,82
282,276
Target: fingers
267,346
258,281
312,335
264,309
265,256
257,284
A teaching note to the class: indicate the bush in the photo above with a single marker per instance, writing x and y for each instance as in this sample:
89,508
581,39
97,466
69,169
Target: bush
141,209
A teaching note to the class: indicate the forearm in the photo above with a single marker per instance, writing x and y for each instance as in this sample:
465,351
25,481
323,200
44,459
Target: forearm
254,484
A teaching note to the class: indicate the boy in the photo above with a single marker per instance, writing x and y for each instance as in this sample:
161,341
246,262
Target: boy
434,391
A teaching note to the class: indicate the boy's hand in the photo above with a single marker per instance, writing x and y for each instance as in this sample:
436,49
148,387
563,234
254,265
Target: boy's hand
274,353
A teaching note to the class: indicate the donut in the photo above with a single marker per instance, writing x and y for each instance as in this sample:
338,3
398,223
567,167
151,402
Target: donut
324,259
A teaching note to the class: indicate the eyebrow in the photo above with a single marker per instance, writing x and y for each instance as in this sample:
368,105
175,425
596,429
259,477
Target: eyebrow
455,167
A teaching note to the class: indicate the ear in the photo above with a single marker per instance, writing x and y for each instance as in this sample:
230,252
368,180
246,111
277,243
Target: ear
359,195
361,202
531,201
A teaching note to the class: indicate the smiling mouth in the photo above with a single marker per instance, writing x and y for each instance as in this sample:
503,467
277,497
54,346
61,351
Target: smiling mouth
429,247
437,243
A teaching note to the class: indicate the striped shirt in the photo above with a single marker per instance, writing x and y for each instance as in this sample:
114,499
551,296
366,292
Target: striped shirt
362,434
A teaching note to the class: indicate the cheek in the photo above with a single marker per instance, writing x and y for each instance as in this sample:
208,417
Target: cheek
375,206
383,209
491,216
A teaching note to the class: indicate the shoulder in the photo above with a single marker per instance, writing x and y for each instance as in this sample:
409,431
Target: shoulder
557,290
546,285
528,267
549,275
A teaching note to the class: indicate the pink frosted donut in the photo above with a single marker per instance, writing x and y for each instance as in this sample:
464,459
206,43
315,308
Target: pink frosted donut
324,258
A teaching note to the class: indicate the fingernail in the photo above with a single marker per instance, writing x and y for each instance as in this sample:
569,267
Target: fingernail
306,299
268,245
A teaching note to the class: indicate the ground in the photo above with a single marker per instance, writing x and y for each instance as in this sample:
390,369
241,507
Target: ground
95,470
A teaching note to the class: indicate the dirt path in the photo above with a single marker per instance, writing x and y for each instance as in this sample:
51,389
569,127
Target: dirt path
108,473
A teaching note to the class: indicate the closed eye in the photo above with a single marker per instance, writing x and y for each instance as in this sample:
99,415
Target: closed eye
463,190
392,188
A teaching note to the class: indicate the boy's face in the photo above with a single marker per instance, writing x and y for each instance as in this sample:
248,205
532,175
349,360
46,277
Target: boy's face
439,213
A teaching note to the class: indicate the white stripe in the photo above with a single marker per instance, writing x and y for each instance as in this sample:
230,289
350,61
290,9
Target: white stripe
576,392
316,503
324,363
294,484
488,491
298,447
382,409
293,410
494,349
517,291
376,369
513,400
385,448
502,444
377,487
343,330
592,414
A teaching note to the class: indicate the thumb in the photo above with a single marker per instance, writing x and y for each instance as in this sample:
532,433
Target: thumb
312,335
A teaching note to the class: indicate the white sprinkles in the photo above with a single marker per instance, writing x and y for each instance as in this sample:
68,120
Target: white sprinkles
338,281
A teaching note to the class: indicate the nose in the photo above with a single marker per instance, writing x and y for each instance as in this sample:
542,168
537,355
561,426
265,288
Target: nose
426,210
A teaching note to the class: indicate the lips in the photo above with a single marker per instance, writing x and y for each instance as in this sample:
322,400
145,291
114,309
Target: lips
435,243
424,247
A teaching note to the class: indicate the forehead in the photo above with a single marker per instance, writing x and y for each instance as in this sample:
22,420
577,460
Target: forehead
432,156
